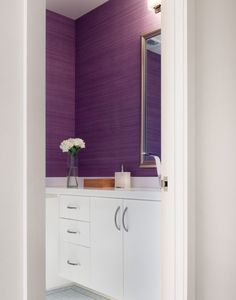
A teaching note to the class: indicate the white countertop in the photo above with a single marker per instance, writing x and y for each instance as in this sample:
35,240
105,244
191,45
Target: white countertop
133,193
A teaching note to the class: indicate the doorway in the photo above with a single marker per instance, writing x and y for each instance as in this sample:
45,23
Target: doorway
179,116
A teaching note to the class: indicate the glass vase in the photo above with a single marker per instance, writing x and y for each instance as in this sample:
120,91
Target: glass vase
72,175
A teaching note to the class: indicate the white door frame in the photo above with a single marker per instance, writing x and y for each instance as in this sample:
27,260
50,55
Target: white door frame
178,161
178,149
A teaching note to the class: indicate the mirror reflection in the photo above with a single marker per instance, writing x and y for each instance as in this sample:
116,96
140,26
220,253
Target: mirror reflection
151,97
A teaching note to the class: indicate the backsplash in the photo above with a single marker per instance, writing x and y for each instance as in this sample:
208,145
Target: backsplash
108,80
136,182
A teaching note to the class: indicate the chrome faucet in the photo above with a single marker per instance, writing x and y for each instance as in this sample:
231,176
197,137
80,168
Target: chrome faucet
158,162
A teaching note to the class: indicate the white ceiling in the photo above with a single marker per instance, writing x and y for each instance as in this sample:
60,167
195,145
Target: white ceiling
73,8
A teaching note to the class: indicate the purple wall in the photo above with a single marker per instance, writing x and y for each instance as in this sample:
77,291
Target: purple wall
108,86
60,89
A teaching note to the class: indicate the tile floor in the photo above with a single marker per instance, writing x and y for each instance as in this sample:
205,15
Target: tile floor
72,293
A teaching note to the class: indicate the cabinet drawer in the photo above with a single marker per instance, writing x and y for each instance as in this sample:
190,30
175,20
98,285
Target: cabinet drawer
75,207
75,232
75,263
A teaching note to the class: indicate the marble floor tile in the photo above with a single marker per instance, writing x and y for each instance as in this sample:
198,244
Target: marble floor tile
68,294
73,293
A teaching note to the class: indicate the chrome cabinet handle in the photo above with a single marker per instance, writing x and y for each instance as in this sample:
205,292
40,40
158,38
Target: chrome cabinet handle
72,207
73,264
72,232
115,218
123,219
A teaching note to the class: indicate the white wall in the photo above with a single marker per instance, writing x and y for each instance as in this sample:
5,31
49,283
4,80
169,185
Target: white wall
11,87
216,150
35,145
22,82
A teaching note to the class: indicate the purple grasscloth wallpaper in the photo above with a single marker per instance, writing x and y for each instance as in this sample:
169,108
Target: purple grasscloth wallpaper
108,86
93,88
60,89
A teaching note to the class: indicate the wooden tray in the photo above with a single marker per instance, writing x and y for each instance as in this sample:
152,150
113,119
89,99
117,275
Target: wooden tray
99,183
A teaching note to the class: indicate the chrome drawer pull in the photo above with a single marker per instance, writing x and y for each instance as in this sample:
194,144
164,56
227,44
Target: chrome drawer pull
73,264
115,218
72,232
72,207
123,219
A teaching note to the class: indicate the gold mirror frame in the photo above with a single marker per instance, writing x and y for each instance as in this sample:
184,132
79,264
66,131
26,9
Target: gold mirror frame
144,37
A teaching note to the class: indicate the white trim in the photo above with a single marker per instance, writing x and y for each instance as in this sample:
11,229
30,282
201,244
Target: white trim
24,167
181,151
190,124
175,148
33,113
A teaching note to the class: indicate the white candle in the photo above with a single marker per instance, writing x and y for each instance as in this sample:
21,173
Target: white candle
122,180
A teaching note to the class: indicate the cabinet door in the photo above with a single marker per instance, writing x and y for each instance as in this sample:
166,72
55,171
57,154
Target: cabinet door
141,250
106,247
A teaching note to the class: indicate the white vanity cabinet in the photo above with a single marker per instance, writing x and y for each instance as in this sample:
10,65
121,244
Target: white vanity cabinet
107,246
125,248
74,246
110,241
141,250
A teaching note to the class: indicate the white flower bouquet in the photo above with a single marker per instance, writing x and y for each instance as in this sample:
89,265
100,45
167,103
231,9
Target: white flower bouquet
72,146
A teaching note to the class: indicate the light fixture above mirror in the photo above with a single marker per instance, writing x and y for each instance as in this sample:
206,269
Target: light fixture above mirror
154,5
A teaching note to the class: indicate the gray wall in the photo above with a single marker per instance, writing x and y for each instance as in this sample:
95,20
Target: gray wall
216,150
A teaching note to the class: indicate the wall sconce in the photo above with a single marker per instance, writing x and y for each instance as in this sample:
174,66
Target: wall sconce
154,5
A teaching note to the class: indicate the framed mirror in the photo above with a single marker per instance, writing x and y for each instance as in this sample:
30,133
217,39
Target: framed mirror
150,98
